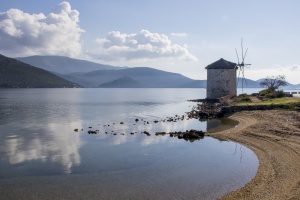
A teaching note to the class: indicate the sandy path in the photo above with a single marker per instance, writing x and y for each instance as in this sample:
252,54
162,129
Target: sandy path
275,138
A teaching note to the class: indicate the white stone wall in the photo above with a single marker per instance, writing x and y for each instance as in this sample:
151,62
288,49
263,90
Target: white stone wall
220,82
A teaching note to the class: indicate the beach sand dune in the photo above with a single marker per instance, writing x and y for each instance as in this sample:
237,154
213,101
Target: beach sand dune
274,136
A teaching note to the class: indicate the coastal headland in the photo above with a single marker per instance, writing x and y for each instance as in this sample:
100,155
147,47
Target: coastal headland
274,136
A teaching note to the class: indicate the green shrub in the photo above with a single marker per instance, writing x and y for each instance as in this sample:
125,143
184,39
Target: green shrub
279,94
271,94
244,97
264,93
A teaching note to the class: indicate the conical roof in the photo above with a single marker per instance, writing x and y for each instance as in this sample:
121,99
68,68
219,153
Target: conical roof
221,64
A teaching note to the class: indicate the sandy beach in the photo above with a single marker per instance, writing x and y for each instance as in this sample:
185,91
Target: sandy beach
274,136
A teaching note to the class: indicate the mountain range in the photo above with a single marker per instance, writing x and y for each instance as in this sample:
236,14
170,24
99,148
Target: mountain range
95,75
16,74
64,65
144,77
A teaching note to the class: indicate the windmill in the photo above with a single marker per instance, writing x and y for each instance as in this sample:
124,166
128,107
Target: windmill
241,66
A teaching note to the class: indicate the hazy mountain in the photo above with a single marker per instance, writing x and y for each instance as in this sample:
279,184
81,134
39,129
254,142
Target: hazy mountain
90,74
15,74
194,84
291,86
124,82
64,65
146,77
247,83
288,86
242,82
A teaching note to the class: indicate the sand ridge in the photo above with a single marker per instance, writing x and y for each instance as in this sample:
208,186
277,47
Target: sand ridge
274,136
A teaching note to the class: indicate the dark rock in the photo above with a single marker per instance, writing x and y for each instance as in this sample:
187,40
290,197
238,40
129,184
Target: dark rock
180,136
160,133
92,132
146,133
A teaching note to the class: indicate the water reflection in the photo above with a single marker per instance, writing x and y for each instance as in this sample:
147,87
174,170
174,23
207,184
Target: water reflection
53,143
213,125
216,125
38,139
58,144
37,125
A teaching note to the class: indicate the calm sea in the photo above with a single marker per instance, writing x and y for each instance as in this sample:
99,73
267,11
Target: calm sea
42,157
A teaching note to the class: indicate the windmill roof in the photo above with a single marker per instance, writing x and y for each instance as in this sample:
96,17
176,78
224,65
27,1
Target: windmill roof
221,64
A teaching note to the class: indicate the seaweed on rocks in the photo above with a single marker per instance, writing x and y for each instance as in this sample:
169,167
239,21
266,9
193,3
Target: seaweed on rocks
207,111
190,135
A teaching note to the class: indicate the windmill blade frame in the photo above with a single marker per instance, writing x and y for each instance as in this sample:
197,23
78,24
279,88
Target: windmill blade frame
241,65
245,55
242,49
237,56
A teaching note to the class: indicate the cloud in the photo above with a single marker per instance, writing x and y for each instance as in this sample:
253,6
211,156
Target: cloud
294,68
179,34
26,34
141,46
55,147
290,68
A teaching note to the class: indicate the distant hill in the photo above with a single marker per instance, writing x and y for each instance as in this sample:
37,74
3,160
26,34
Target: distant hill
247,83
90,74
15,74
124,82
194,84
288,86
145,76
64,65
294,86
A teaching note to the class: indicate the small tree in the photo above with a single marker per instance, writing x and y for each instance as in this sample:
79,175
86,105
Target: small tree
273,83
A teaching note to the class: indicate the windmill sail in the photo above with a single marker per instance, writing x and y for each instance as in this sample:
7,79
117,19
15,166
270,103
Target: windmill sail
241,66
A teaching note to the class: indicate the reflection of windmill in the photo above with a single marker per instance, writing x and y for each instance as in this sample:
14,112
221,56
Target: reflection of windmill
241,66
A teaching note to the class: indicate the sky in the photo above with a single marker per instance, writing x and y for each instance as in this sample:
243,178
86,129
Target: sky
171,35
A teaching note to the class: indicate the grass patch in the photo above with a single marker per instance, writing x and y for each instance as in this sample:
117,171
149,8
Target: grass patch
284,100
287,102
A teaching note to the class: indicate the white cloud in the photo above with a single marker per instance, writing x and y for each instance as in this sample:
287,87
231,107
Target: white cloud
141,46
179,34
55,147
26,34
294,68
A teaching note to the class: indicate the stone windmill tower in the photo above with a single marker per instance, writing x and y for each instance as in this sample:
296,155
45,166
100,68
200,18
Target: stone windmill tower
221,76
221,79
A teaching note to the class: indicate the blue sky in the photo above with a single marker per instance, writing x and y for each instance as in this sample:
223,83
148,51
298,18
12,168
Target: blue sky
171,35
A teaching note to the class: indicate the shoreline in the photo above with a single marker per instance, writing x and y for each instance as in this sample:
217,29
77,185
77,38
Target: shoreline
274,136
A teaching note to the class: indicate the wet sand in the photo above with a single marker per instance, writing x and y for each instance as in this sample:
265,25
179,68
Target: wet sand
274,136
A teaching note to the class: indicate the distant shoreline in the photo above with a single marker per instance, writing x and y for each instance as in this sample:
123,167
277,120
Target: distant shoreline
274,136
